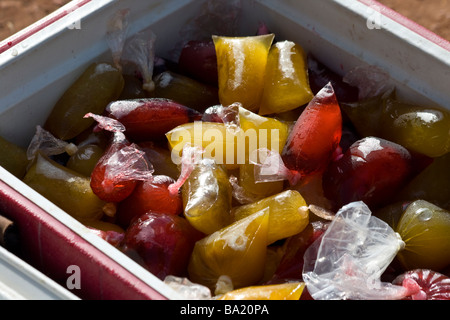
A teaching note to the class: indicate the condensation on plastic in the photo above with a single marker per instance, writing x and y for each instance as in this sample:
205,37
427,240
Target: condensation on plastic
348,261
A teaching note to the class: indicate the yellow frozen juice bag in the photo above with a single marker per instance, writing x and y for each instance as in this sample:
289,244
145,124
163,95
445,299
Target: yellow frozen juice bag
286,85
241,64
237,251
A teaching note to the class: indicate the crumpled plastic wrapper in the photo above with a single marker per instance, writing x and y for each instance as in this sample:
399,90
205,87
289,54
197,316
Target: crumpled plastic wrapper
269,167
139,51
135,54
348,261
44,142
116,35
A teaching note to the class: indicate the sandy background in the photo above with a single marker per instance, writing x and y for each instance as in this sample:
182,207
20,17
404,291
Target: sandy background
432,14
18,14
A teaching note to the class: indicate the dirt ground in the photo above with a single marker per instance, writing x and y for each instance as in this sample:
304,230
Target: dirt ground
18,14
432,14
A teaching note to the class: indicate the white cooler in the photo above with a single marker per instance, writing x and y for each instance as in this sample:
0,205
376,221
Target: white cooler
39,63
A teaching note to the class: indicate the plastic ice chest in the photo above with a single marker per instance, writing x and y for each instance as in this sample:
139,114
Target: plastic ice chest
40,62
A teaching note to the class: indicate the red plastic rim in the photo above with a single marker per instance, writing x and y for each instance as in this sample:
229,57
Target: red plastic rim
50,246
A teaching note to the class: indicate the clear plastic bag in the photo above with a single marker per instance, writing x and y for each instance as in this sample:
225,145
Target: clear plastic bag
43,141
116,35
106,123
228,115
348,261
239,193
269,166
191,156
123,161
128,163
139,51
